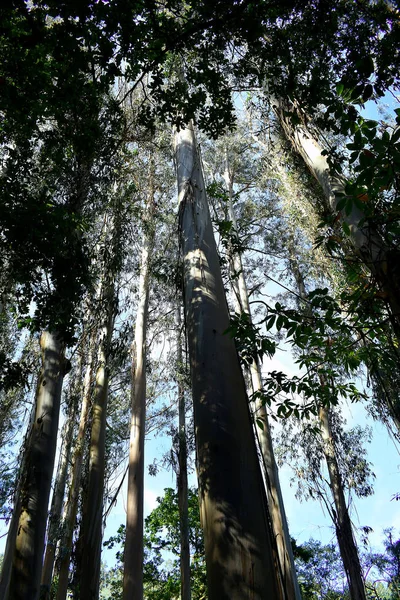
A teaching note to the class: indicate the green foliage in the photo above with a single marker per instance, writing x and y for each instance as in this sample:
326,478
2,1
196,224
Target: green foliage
321,575
320,571
299,445
387,566
162,548
323,343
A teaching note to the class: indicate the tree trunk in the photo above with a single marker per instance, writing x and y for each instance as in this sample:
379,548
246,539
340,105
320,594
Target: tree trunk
370,247
57,502
344,529
93,508
76,476
238,545
30,512
182,472
133,553
13,527
291,590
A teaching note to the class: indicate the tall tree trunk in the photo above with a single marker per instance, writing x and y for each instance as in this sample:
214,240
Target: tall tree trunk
238,545
30,512
344,530
13,527
76,476
291,588
133,553
182,471
381,261
53,530
92,521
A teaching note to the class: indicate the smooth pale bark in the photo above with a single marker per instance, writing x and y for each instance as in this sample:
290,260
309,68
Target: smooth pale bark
291,590
340,516
74,486
13,527
238,539
56,504
182,472
370,247
30,512
92,522
133,552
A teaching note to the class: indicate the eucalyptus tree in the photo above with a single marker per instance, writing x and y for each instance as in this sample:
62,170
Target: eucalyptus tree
55,194
182,475
54,520
92,512
370,339
239,549
238,180
354,208
133,554
346,464
71,505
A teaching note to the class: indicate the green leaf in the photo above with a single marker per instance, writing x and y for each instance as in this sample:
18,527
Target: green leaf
346,228
339,89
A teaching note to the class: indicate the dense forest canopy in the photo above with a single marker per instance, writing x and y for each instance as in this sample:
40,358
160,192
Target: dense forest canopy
185,190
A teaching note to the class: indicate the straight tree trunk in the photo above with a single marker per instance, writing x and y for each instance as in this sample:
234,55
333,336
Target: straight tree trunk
182,472
76,476
370,247
238,539
58,498
13,527
291,590
30,513
133,553
344,530
92,521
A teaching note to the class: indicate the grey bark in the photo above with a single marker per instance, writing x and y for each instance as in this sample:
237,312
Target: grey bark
30,512
71,508
182,471
238,545
133,552
53,531
92,521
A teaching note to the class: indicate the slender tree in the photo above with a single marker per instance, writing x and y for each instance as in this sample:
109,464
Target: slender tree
92,513
59,485
341,517
133,554
274,494
71,507
182,476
